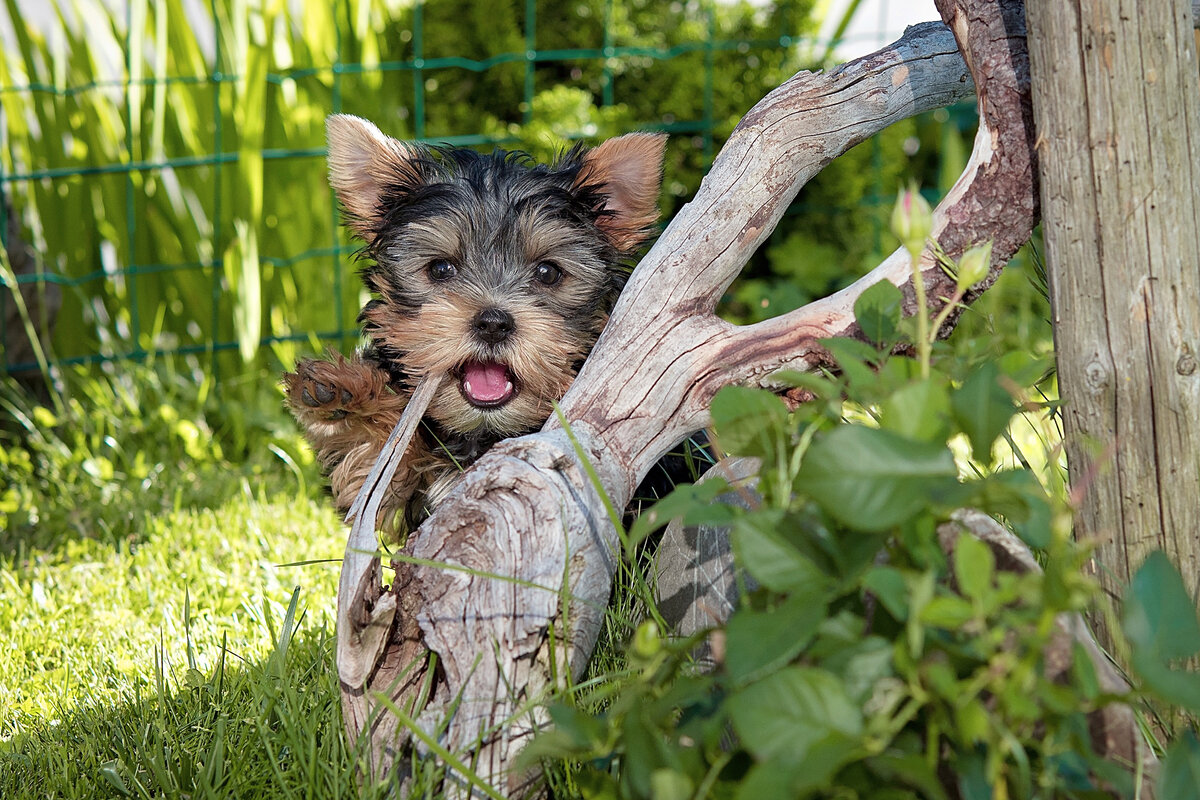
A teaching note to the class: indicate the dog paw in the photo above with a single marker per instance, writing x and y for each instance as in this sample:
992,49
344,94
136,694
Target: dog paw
330,390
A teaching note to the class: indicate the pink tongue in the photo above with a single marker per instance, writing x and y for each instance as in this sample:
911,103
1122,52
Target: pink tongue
486,383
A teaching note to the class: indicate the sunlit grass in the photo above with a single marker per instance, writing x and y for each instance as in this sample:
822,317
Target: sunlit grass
167,593
83,622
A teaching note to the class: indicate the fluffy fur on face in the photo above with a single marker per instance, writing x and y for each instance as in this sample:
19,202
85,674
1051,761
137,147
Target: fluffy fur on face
491,270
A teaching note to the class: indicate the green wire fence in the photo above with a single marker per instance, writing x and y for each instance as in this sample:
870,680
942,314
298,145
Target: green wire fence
162,173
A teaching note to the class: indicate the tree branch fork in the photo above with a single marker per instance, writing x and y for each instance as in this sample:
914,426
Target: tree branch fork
508,581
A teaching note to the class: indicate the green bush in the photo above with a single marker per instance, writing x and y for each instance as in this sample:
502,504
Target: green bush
866,663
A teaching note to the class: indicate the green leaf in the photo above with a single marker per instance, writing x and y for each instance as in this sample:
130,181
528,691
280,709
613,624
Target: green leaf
871,479
1180,776
596,785
1160,623
1024,367
983,409
863,664
973,782
878,312
771,780
821,763
583,730
682,499
910,769
750,422
971,720
111,773
1083,672
974,565
758,641
643,751
887,584
921,589
854,359
763,548
919,410
950,613
669,784
1016,495
790,712
1159,614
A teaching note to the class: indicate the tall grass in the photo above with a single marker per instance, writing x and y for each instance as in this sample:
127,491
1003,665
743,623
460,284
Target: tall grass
165,158
139,149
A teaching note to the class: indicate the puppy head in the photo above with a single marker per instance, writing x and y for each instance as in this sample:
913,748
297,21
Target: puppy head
492,270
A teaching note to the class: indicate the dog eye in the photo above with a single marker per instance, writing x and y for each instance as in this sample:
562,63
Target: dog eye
441,270
547,273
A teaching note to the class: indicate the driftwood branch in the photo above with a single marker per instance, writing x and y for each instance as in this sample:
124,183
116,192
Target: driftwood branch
525,548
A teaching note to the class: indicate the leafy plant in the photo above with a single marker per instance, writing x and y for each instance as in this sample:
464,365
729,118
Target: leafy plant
863,660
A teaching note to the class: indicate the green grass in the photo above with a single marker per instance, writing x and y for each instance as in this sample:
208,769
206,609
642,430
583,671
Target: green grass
168,577
82,621
197,662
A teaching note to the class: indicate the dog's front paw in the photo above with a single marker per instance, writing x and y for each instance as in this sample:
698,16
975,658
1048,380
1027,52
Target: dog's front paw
343,406
330,390
315,389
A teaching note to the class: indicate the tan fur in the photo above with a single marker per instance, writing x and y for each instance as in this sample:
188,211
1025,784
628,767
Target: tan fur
630,168
362,161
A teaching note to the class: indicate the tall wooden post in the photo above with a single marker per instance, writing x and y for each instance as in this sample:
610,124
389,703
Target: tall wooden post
1117,109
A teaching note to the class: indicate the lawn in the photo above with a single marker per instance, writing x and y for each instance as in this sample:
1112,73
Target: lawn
167,603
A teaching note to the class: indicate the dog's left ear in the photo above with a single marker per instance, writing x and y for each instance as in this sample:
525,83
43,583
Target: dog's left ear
628,171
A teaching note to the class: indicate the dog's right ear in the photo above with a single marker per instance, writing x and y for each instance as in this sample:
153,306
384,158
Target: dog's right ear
363,164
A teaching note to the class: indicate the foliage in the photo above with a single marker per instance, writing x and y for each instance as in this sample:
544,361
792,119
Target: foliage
254,714
172,180
863,662
137,442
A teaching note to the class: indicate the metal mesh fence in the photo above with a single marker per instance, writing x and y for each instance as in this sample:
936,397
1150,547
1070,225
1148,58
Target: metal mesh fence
163,170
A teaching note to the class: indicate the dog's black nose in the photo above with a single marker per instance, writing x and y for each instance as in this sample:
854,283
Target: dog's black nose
493,325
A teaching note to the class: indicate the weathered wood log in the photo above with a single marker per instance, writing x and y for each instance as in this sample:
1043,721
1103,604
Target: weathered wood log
508,580
1122,174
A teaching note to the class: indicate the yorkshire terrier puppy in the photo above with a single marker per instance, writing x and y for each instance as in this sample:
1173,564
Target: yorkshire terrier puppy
492,271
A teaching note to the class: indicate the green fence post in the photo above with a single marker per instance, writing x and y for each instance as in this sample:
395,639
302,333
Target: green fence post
4,294
418,67
709,67
130,206
218,266
530,58
606,87
339,312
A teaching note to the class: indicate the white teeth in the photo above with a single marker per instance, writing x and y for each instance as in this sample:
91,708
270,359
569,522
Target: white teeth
467,386
508,387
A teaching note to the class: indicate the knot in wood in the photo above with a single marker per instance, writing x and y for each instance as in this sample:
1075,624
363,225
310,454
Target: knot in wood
1186,365
1097,376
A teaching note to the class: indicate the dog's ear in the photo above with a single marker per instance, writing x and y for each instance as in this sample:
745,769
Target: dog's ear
363,164
627,170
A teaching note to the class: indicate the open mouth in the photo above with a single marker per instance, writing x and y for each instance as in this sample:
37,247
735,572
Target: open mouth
487,384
